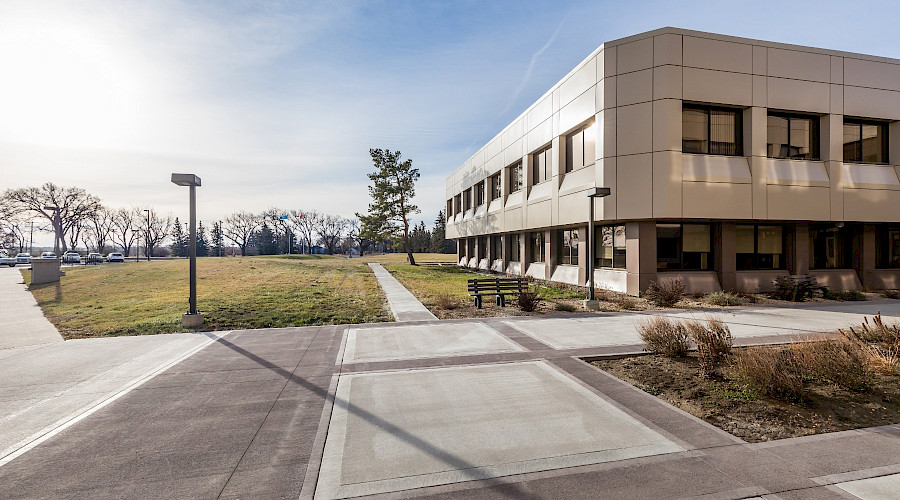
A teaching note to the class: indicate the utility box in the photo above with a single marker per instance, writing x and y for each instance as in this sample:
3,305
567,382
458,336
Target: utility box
45,271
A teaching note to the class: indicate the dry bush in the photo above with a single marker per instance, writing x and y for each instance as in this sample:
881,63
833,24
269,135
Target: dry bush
770,371
713,339
790,289
843,362
665,294
627,303
843,295
879,341
446,301
891,294
528,300
664,336
746,294
564,307
723,299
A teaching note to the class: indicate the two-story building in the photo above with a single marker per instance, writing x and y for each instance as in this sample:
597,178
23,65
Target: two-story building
730,161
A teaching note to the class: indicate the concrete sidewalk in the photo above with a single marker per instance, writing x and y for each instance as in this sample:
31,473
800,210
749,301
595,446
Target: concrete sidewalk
22,323
404,306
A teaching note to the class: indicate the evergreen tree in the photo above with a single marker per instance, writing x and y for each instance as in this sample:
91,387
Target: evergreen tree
265,240
217,240
202,242
439,242
179,245
392,190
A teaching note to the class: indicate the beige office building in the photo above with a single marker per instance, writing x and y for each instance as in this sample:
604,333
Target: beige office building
730,161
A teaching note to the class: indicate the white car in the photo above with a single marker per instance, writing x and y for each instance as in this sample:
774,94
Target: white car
115,257
6,260
23,258
48,255
71,258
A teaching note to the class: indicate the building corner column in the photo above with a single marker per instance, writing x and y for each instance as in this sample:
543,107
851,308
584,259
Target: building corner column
640,256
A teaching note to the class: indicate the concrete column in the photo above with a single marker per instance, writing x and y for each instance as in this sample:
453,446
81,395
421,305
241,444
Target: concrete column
725,246
755,127
582,255
548,268
640,255
798,248
864,255
523,246
832,147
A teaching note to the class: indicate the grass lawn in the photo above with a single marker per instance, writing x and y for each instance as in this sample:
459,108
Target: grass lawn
233,293
420,257
439,286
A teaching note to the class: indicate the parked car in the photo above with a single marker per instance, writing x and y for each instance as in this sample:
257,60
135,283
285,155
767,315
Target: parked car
23,258
48,255
94,258
71,258
115,257
6,260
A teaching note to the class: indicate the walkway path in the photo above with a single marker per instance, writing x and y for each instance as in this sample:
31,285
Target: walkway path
494,408
404,305
21,321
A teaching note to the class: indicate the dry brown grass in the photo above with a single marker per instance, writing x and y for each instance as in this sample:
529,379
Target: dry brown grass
713,339
447,302
665,294
769,370
664,336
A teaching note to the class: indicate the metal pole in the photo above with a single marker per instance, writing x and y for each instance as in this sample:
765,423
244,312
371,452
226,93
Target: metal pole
147,236
590,249
192,252
31,239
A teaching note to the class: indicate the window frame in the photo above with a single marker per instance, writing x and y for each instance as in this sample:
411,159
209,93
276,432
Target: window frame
479,194
756,266
548,162
708,109
570,162
539,246
845,246
883,126
710,265
496,186
563,255
598,233
515,248
815,140
882,246
516,182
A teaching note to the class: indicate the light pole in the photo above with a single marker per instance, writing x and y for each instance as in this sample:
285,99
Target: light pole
192,318
56,223
597,192
147,235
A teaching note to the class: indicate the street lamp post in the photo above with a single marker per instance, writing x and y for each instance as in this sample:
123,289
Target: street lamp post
193,317
147,235
598,192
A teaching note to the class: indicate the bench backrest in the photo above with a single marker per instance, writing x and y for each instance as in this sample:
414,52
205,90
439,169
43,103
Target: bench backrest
497,285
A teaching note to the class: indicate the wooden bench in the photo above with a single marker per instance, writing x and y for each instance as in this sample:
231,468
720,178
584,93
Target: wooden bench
500,287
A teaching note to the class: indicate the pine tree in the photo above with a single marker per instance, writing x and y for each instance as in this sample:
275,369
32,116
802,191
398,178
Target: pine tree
179,245
217,240
439,243
265,241
202,242
392,190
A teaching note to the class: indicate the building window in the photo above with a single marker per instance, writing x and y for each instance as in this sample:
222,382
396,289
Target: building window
479,194
683,247
610,246
536,243
495,186
496,247
568,247
467,199
711,130
457,203
580,150
516,177
793,136
514,242
887,246
449,212
759,247
830,246
470,248
865,141
482,247
540,164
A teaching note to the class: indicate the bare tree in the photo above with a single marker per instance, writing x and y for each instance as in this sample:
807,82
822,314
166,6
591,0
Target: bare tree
239,228
354,233
330,229
305,222
125,228
98,232
75,206
156,232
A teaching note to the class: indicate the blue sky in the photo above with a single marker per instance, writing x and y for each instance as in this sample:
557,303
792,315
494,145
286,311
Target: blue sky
277,103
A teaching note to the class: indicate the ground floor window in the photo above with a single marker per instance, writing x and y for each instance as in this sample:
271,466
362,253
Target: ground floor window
482,247
610,246
759,247
496,247
887,246
568,247
536,244
470,248
830,246
683,247
514,247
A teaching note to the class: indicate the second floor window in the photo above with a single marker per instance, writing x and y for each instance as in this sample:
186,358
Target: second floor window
479,194
467,199
516,177
865,141
457,204
580,150
496,187
792,136
711,130
541,165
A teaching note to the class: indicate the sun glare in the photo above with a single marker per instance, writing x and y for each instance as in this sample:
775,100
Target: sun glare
62,86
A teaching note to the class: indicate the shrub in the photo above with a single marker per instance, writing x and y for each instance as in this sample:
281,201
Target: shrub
564,307
891,294
843,295
879,341
723,299
528,300
787,288
664,336
842,362
665,294
446,301
713,339
769,371
627,303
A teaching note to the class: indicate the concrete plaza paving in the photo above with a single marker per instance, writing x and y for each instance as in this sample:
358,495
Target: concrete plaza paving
21,321
493,408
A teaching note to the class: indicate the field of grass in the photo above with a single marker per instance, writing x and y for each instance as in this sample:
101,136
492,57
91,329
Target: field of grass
420,257
233,293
